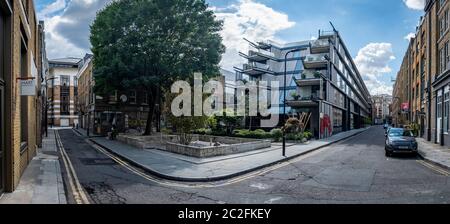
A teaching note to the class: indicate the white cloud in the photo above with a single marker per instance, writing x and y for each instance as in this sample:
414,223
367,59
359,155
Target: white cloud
67,32
51,8
409,36
415,4
251,20
373,64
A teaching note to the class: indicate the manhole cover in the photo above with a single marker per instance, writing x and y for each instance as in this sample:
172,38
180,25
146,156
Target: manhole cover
97,162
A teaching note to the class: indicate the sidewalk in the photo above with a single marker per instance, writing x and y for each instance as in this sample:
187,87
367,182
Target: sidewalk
42,181
182,168
434,153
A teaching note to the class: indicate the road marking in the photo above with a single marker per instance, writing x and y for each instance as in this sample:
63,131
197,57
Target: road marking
74,184
194,185
434,168
212,185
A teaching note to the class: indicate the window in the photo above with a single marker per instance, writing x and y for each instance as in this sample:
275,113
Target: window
446,109
133,97
65,81
145,98
24,99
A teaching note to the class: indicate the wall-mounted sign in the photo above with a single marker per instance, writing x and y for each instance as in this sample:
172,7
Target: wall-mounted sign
27,87
405,106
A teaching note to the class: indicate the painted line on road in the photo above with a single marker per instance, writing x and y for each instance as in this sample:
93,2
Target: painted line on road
197,185
434,168
74,183
212,185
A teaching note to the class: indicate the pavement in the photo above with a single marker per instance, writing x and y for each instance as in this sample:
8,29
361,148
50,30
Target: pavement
437,154
182,168
42,181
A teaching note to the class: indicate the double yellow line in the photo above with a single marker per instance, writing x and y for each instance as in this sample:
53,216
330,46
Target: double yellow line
434,168
79,195
196,185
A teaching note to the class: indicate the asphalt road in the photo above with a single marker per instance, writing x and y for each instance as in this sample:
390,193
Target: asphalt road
353,171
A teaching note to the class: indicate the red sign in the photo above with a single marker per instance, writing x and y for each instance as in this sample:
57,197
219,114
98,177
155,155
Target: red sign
405,106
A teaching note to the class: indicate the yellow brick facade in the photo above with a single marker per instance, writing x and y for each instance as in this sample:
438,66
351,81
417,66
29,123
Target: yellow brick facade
21,117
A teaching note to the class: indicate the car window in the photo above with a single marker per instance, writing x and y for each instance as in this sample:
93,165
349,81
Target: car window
400,133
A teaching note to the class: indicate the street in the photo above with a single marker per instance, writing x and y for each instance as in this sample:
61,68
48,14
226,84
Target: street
352,171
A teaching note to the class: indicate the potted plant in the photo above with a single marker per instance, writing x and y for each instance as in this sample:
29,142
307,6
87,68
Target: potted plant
295,96
317,74
303,75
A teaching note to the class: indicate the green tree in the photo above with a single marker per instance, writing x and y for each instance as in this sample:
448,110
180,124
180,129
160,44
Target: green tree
149,44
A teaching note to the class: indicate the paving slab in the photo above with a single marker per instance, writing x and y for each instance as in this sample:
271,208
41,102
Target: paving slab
42,181
434,153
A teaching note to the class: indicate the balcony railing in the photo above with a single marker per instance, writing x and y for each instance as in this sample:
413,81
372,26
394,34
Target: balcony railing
260,55
326,34
255,69
315,61
320,46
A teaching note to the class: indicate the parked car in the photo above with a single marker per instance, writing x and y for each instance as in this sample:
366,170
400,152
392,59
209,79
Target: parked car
400,140
386,126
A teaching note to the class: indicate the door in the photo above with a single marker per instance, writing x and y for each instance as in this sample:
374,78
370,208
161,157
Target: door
439,117
2,104
2,151
64,122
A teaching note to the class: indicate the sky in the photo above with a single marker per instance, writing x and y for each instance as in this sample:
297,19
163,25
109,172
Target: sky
376,32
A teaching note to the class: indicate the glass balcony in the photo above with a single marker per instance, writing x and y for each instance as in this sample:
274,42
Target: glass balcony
259,55
256,69
315,61
310,78
320,46
326,34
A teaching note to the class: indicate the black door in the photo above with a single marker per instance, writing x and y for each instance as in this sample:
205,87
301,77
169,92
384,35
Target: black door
2,104
2,128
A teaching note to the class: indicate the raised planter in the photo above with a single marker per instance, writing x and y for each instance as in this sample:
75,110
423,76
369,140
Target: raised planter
229,146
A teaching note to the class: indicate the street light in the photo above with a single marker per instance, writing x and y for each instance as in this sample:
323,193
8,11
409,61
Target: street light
284,102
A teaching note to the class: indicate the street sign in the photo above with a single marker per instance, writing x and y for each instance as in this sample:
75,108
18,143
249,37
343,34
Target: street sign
405,106
27,87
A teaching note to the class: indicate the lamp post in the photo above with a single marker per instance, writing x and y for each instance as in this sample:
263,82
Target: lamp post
284,95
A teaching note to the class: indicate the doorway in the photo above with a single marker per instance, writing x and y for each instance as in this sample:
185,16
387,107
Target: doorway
2,142
2,98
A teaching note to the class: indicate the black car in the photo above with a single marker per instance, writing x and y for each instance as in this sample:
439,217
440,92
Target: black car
399,140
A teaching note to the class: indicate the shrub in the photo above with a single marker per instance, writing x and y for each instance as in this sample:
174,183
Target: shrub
258,134
277,134
295,137
201,131
308,135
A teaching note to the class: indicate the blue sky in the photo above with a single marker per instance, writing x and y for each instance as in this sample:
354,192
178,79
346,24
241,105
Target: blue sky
374,30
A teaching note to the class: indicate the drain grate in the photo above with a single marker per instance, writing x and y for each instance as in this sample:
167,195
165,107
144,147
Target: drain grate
97,162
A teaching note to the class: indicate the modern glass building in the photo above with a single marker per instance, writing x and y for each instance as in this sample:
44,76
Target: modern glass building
322,79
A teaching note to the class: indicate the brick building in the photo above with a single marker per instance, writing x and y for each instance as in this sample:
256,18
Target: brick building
62,90
97,113
19,53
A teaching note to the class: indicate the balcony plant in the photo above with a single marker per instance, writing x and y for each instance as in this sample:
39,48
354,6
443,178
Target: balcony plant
295,96
317,74
303,75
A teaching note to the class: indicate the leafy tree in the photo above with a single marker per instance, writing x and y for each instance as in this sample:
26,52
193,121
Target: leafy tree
185,125
149,44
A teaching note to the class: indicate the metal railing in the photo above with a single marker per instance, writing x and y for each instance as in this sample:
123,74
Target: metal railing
320,43
316,58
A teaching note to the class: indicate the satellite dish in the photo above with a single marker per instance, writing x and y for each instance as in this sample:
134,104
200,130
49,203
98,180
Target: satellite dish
124,98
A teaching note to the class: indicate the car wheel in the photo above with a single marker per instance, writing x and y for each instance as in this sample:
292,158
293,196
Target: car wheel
388,154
